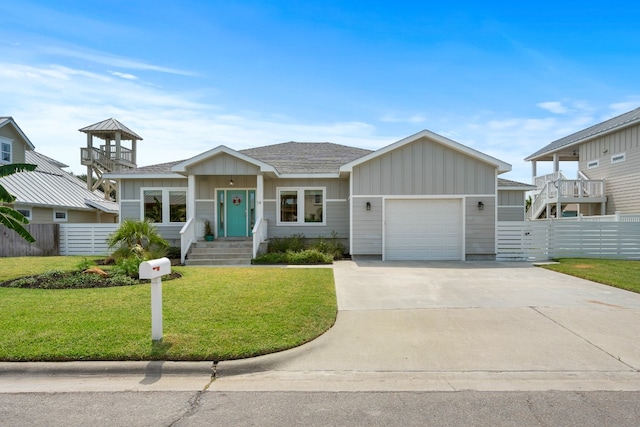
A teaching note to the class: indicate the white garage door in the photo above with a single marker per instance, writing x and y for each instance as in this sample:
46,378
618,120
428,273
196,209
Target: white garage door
423,230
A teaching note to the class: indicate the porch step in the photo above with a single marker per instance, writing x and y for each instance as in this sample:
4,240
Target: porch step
221,252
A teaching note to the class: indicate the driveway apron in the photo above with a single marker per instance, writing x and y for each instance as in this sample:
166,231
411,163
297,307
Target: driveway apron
459,325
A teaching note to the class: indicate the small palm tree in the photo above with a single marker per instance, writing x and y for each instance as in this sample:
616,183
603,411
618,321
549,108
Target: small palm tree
138,239
9,217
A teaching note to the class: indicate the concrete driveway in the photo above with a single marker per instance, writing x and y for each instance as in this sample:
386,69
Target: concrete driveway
447,326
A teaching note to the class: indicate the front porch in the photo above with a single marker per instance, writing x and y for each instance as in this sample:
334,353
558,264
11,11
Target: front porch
555,192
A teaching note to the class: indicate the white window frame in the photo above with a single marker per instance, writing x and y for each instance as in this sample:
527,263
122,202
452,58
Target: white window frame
301,208
592,164
9,142
618,158
29,212
166,212
65,216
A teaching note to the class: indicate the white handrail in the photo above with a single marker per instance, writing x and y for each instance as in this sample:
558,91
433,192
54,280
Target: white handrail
187,237
259,234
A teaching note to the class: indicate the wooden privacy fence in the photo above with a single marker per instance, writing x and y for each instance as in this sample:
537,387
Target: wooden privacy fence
85,239
46,244
543,240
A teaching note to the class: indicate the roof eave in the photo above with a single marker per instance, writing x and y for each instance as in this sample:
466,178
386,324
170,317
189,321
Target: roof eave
17,129
155,175
182,166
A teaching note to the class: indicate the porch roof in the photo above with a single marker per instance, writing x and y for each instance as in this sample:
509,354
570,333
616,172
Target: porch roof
562,145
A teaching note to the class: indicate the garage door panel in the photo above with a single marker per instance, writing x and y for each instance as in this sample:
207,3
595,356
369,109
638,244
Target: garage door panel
423,229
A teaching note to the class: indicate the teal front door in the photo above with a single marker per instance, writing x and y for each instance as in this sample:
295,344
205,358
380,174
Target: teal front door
237,213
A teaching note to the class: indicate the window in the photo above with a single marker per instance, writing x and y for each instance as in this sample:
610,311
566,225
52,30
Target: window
301,206
60,216
25,212
618,158
593,164
164,205
5,152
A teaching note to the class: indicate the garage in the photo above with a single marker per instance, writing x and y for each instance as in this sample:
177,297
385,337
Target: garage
423,229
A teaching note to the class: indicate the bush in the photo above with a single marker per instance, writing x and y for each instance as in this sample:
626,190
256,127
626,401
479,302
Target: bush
309,256
295,243
128,266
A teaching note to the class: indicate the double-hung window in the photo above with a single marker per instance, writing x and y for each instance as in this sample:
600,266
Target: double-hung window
5,150
164,205
301,206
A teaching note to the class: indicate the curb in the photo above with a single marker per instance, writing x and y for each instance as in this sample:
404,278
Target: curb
107,368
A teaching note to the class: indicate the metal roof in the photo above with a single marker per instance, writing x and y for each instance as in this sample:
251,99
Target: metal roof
621,121
50,186
306,157
106,129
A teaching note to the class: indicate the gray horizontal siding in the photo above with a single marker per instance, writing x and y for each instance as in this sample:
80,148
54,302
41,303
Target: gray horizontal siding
367,226
621,179
130,188
337,220
480,226
337,189
129,210
511,213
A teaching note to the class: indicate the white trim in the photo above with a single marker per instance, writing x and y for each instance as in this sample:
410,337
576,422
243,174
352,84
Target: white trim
66,215
9,142
337,200
17,129
425,196
28,210
529,188
618,158
269,200
502,166
142,175
300,221
166,213
205,200
593,164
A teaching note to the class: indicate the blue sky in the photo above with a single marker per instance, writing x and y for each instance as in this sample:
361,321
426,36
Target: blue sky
191,75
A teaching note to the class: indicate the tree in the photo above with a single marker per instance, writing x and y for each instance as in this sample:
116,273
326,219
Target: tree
9,217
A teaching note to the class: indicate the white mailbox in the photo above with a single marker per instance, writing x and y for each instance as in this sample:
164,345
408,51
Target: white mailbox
154,268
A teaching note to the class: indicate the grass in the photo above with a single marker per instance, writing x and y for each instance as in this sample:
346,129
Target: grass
208,314
618,273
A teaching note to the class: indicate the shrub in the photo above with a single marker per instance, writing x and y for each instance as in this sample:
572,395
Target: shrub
295,243
85,264
128,266
308,256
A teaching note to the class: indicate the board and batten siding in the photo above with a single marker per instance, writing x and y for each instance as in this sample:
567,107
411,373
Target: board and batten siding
337,220
130,188
223,164
17,146
424,167
622,178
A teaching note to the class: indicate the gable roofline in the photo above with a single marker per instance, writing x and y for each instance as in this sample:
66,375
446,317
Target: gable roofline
9,120
499,164
182,166
614,124
106,128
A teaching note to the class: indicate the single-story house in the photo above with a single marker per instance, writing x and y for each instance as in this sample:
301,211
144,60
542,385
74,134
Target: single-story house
49,194
608,157
424,197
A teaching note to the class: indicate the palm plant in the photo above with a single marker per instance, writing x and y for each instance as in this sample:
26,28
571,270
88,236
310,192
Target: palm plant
139,239
9,217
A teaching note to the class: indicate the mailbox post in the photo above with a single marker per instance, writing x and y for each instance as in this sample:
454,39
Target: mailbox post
154,269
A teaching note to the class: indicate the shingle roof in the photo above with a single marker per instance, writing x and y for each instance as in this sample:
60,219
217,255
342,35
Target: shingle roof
51,186
622,120
306,157
107,128
513,184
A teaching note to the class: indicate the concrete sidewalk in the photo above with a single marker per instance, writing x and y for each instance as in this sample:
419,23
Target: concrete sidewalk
453,326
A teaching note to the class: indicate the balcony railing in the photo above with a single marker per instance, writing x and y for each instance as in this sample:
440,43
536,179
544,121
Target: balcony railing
108,159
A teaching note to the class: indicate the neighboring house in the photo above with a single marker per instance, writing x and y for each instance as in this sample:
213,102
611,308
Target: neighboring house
512,203
424,197
48,194
608,157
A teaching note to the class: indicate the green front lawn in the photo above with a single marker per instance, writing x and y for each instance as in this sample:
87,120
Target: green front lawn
619,273
209,314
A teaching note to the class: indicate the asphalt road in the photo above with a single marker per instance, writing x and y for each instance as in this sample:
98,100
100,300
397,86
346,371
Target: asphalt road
210,408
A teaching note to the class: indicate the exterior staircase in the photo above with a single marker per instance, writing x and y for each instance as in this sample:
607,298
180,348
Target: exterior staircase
223,251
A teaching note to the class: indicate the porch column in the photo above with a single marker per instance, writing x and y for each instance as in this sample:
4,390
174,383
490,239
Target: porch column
556,162
534,171
191,196
90,166
259,196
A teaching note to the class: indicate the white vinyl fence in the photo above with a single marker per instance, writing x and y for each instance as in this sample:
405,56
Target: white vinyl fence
543,240
85,239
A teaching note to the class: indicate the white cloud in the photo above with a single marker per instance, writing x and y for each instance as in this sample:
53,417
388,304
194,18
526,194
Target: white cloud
124,75
553,106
